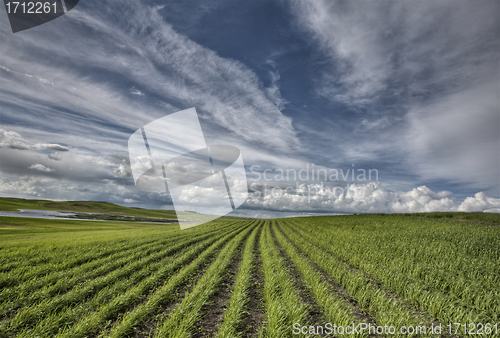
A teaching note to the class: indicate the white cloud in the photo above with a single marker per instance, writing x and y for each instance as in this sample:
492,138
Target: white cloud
48,98
80,165
458,138
427,74
40,167
344,35
273,91
493,210
480,202
386,45
138,46
55,188
363,198
13,140
136,92
94,116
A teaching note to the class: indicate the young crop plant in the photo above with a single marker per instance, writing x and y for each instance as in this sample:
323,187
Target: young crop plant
28,315
47,312
283,304
118,297
436,273
239,298
335,309
370,298
44,288
182,319
63,278
166,292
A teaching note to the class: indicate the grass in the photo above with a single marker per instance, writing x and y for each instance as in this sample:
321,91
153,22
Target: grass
449,270
283,304
166,292
182,319
112,308
240,296
138,269
336,309
108,210
70,278
372,300
14,204
478,217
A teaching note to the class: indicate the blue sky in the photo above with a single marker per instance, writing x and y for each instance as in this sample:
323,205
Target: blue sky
410,89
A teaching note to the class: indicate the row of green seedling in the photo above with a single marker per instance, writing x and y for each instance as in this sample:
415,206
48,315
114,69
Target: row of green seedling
182,319
375,302
431,253
240,294
447,270
164,293
283,304
115,299
58,281
86,271
29,272
335,308
68,256
36,290
79,293
430,246
461,302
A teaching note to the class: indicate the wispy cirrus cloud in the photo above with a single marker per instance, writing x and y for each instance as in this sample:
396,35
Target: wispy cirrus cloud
457,138
101,74
392,48
421,81
404,87
135,45
13,140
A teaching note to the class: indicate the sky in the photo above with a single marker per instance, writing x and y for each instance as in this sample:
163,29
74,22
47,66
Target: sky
405,90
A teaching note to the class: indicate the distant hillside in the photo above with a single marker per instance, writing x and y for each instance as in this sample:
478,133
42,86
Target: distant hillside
14,204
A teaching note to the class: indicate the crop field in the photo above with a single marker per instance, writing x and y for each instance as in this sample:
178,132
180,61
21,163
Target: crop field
251,278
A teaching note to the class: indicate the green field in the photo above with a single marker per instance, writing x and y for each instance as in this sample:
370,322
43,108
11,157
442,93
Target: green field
14,204
246,278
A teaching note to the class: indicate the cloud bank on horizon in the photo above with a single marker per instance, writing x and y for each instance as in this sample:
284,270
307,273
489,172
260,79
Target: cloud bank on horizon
409,88
367,198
